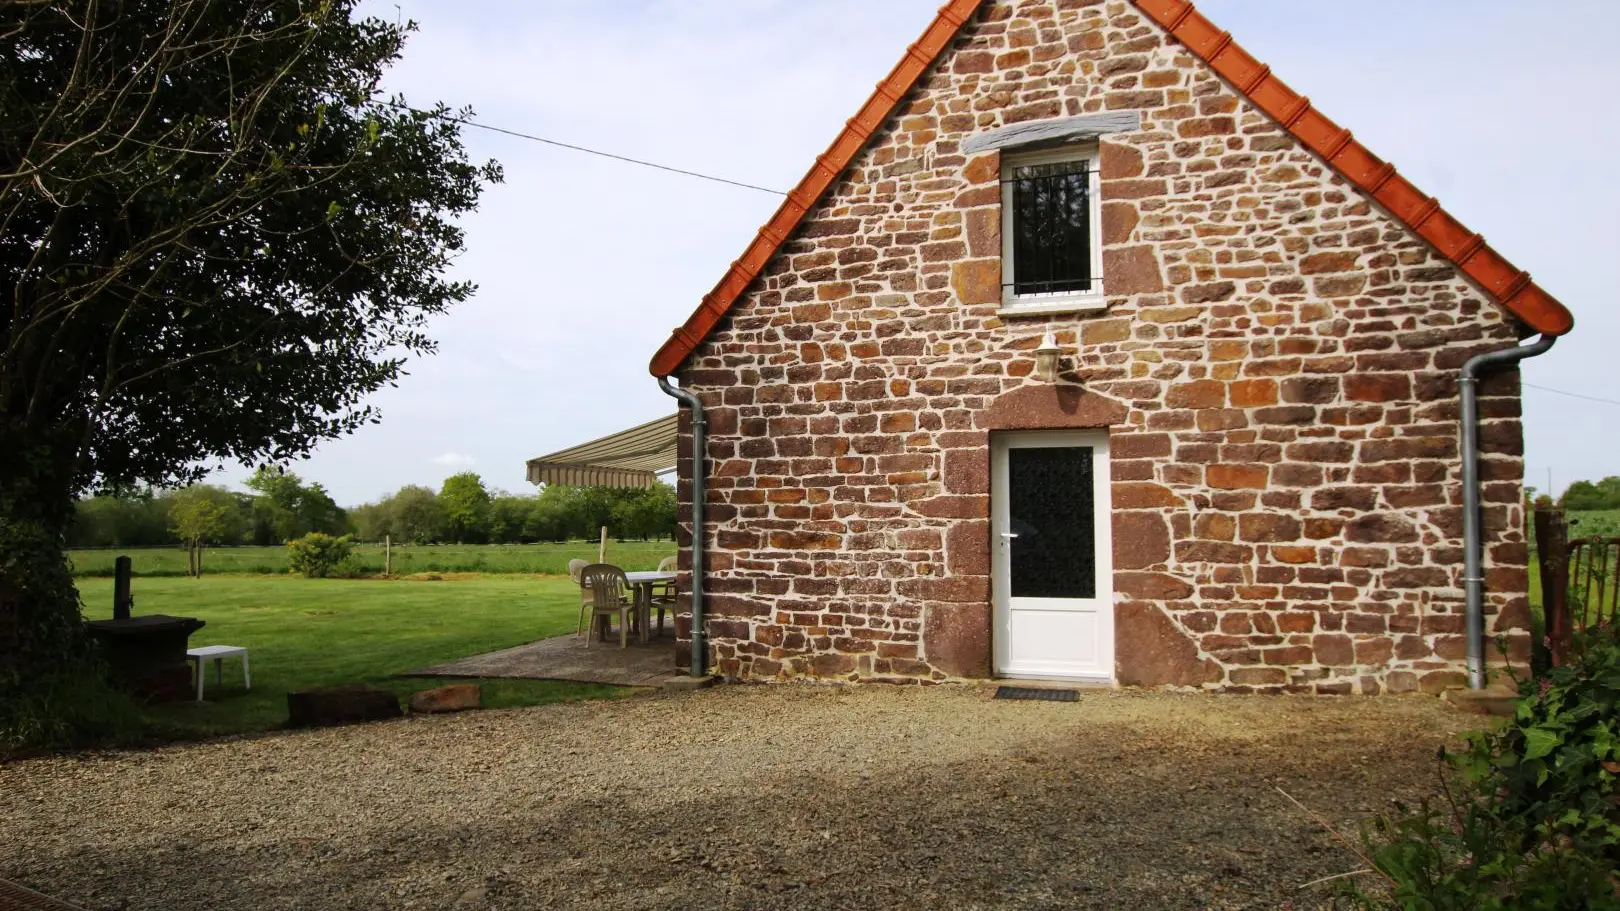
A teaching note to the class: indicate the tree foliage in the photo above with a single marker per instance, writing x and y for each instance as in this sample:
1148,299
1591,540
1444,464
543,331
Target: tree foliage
410,515
287,508
465,503
317,555
217,237
649,512
278,507
137,519
464,511
1585,495
1533,821
211,229
204,514
283,507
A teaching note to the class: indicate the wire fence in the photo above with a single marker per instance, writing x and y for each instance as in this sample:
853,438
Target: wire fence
376,559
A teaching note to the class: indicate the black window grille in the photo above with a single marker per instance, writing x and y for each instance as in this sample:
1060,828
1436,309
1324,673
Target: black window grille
1051,229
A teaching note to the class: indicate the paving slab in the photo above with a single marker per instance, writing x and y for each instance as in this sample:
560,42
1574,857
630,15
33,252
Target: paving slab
569,658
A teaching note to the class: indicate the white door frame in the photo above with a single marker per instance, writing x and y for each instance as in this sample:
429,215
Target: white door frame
1096,658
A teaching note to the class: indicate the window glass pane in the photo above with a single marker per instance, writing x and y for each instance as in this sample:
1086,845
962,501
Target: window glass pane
1051,226
1050,506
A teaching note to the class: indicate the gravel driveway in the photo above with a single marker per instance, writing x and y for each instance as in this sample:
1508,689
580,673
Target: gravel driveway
739,797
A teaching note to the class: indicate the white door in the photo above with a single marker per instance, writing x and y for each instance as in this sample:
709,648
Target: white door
1053,567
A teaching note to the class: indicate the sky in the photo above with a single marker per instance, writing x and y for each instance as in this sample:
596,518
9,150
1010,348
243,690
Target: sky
585,264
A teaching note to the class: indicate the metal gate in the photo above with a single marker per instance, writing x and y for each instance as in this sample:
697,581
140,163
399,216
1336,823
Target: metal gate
1580,581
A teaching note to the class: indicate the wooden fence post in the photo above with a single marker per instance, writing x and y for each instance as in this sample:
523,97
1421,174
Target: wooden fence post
388,555
1552,551
122,602
601,549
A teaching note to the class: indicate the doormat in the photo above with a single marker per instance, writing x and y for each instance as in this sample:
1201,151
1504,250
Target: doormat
1037,693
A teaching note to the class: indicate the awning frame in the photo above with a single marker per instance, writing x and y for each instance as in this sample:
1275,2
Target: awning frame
629,458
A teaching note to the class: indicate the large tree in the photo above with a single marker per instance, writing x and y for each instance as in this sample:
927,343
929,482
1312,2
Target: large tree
414,514
465,503
217,237
203,513
286,508
509,518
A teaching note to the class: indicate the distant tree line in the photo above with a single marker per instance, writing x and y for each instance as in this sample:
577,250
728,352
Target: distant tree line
464,511
279,506
1582,495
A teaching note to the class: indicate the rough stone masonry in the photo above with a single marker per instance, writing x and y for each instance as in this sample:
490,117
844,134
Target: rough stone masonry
1276,368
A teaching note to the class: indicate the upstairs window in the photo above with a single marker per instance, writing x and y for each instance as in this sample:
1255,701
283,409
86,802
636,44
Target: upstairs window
1050,237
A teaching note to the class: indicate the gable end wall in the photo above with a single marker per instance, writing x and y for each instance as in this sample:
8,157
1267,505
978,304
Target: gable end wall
1277,369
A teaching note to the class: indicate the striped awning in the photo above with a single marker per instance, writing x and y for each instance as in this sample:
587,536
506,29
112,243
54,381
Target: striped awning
629,458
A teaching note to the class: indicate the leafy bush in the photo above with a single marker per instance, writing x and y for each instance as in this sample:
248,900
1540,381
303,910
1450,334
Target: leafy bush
76,707
352,566
316,554
1534,822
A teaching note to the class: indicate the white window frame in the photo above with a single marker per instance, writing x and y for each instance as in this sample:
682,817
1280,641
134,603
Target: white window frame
1013,304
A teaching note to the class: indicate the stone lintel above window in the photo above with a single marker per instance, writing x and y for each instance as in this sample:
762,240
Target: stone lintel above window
1036,134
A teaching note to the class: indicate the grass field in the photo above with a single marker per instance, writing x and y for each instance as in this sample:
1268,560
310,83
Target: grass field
408,559
318,632
315,632
1601,522
1604,523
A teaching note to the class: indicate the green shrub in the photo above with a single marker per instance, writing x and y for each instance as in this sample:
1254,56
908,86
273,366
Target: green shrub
317,555
74,708
352,566
1534,819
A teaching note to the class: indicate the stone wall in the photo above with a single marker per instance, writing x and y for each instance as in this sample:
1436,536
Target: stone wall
1277,367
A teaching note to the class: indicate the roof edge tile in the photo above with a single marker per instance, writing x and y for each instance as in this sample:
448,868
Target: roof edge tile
1510,287
827,167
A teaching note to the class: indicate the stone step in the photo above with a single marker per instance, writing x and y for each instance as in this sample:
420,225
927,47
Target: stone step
1495,700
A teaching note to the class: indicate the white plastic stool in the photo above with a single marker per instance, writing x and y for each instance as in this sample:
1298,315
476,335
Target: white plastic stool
219,653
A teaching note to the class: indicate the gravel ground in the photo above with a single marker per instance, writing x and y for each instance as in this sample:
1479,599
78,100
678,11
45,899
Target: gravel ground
738,797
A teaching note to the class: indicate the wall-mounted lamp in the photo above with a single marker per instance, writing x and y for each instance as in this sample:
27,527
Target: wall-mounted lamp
1047,357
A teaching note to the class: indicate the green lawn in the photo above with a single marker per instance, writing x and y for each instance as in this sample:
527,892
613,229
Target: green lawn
317,632
1582,524
1601,522
408,559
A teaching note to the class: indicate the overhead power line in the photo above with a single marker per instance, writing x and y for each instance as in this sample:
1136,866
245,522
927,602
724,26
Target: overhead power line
589,151
1573,395
748,186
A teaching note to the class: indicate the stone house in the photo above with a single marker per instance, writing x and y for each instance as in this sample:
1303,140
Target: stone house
1089,349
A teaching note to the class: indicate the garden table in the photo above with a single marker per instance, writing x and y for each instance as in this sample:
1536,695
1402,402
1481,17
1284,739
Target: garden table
218,654
642,584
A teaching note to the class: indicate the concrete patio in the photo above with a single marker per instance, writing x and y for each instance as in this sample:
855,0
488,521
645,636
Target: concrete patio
568,657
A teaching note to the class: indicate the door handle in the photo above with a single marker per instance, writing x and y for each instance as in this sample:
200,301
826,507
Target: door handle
1009,534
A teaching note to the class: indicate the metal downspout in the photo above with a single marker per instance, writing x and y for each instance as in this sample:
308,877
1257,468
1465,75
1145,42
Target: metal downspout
1473,546
699,477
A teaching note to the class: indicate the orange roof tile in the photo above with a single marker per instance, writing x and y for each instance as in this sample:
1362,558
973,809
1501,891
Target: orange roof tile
1509,286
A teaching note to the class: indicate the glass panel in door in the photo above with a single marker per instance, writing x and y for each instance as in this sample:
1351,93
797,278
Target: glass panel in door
1052,512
